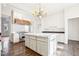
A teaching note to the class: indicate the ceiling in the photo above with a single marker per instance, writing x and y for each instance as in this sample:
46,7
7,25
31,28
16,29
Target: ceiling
49,7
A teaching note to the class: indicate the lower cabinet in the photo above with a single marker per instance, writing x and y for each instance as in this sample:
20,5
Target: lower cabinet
42,48
30,42
27,41
33,44
42,45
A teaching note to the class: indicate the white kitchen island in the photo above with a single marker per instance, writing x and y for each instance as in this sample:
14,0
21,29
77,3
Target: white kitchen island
44,44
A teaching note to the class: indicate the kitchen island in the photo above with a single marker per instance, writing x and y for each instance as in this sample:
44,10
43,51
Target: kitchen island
60,35
44,44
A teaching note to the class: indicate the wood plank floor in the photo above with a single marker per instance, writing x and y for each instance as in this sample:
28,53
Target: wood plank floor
19,49
71,49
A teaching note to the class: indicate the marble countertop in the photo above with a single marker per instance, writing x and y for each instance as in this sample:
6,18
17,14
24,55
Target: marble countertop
41,34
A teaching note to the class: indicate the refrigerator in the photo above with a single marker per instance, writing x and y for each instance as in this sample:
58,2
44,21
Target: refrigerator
5,26
5,33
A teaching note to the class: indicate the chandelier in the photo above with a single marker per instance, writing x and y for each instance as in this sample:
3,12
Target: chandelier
39,12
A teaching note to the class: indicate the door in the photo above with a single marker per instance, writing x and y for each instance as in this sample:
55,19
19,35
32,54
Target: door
73,29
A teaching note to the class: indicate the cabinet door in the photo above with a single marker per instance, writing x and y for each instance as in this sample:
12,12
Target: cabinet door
27,41
42,48
39,47
33,44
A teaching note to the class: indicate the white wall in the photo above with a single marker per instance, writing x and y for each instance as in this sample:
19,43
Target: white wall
53,20
72,12
17,13
17,28
6,10
69,13
73,29
60,19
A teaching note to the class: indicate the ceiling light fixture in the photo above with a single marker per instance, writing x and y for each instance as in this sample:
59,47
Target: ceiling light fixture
39,12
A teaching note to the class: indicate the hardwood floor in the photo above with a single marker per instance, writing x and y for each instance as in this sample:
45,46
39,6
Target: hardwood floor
19,49
71,49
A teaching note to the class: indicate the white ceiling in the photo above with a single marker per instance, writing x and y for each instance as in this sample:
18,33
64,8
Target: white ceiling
50,8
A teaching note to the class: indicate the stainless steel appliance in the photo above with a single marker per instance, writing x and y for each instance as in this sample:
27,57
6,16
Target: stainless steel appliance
5,26
21,36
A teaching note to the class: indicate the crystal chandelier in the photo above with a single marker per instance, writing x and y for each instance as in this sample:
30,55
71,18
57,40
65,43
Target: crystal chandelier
39,12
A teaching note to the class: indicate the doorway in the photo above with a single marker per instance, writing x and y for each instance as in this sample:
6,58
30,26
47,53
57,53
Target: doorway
73,29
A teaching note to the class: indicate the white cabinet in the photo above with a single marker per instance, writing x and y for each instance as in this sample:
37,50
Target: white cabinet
30,41
42,48
33,43
44,45
27,41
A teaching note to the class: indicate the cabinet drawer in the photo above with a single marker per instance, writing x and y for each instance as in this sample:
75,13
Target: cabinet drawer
32,37
27,36
42,39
